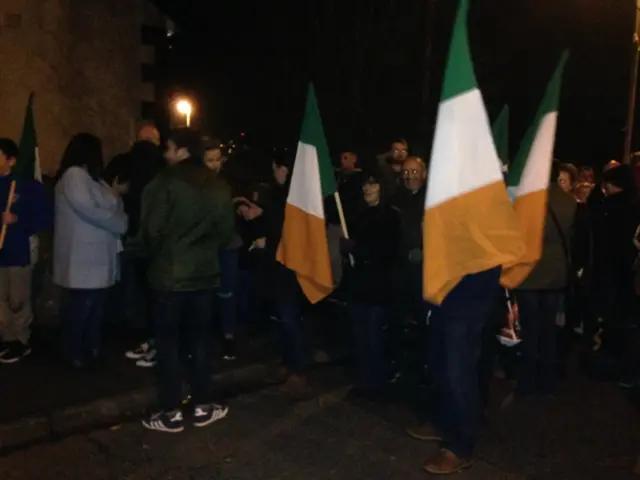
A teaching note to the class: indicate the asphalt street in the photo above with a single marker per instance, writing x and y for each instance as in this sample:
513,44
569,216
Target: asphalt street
589,432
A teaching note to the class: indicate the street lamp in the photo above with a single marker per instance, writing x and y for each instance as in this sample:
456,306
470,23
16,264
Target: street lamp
185,108
633,88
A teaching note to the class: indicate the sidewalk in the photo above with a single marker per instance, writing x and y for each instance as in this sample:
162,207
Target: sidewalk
42,399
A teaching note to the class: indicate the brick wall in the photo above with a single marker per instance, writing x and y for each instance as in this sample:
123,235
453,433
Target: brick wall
83,61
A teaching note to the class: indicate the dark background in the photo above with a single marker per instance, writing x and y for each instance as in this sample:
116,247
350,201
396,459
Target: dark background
377,66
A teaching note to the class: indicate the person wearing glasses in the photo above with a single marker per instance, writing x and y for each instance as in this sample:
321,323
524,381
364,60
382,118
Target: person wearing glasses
408,201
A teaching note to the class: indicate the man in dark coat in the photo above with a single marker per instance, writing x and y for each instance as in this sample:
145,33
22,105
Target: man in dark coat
137,168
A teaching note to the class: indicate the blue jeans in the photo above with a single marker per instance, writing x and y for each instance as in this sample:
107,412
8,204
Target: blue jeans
367,328
288,309
171,309
457,326
538,311
82,312
226,292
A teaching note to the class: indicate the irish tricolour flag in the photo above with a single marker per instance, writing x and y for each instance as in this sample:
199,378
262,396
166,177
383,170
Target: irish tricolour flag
469,223
529,179
303,247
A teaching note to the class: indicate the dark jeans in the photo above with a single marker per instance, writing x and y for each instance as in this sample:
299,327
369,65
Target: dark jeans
367,328
407,301
227,290
191,313
538,311
247,297
288,309
134,295
82,312
457,327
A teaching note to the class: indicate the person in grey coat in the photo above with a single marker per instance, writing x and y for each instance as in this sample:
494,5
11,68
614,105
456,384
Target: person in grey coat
89,220
541,295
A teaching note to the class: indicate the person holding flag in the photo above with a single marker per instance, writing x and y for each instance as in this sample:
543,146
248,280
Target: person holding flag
470,232
27,210
297,239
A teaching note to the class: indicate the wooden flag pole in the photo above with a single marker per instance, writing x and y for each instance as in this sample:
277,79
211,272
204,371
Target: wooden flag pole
12,193
343,223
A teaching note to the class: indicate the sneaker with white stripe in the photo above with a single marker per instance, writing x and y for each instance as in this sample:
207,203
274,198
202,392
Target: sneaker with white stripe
148,361
204,415
168,422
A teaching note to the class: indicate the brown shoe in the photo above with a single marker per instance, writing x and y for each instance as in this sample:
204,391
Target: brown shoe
445,462
296,387
424,432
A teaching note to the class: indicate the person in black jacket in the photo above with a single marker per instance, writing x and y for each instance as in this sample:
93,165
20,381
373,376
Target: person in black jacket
280,284
137,168
367,284
407,286
614,255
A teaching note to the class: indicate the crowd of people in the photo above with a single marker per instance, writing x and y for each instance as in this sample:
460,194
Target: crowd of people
189,244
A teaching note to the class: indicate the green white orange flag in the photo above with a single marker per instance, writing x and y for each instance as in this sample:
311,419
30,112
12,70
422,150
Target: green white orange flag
529,179
500,130
303,246
469,223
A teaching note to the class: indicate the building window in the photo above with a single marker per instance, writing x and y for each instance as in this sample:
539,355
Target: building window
148,73
12,20
148,110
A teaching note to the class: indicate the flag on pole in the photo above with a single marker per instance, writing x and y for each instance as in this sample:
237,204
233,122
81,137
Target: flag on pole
303,246
469,223
500,132
28,164
529,179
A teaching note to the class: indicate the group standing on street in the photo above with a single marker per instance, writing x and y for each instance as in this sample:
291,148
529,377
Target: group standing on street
188,244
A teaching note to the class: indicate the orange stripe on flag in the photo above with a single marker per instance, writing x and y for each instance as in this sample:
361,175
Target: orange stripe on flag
468,234
532,213
304,249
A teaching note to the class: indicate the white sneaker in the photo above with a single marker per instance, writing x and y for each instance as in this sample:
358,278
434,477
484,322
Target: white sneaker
148,361
140,352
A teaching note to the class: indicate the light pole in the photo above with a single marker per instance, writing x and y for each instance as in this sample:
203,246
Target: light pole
633,88
184,108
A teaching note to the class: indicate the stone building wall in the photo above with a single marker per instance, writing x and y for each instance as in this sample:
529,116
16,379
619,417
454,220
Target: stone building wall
82,59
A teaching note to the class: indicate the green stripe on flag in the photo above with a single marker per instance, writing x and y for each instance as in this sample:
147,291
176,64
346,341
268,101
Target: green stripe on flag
26,164
550,103
501,135
313,134
459,76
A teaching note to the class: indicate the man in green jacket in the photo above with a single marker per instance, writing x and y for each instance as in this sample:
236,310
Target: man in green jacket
187,215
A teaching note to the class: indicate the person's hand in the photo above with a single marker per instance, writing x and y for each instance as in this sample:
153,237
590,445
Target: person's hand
120,188
258,243
9,218
254,211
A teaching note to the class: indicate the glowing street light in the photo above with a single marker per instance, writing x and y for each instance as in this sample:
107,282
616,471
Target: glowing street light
185,108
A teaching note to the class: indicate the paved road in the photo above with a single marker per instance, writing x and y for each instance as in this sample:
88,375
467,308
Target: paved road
589,432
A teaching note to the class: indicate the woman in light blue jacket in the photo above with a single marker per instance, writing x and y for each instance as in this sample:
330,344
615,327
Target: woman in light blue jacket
89,220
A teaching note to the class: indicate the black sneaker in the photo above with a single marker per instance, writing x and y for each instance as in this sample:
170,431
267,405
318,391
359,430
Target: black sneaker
168,422
229,349
204,415
15,352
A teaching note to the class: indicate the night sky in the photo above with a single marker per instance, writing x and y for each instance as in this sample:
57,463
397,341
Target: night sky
377,66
